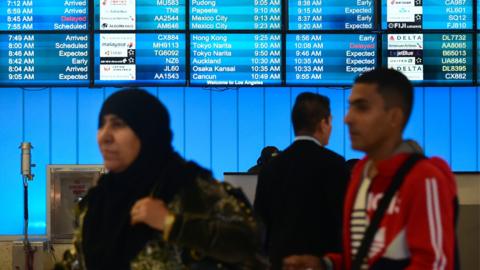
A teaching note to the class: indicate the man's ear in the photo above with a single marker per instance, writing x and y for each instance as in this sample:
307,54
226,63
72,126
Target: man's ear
320,127
397,117
325,123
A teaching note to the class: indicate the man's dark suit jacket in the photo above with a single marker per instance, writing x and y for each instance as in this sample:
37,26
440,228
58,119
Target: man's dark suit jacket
300,199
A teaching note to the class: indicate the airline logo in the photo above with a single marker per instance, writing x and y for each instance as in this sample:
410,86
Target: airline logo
405,54
117,15
401,61
413,72
405,41
117,57
404,14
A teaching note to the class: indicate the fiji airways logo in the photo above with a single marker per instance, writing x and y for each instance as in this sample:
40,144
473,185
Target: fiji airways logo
374,199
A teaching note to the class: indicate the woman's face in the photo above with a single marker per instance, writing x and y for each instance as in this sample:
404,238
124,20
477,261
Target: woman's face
118,143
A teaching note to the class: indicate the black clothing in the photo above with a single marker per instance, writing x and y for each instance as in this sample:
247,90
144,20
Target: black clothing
300,198
109,241
145,115
209,225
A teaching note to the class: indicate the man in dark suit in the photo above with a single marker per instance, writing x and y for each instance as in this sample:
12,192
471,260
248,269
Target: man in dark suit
300,193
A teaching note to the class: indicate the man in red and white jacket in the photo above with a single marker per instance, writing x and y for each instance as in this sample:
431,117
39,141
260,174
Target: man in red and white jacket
417,230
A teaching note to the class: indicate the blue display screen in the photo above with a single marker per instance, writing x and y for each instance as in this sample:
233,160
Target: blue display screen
331,59
431,58
235,15
129,58
235,59
233,42
427,14
478,62
44,59
331,14
28,15
139,15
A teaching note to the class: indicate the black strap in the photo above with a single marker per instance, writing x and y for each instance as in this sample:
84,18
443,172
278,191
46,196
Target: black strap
456,209
382,207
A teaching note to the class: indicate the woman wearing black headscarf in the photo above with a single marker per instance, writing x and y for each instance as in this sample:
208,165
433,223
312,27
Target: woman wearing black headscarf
153,210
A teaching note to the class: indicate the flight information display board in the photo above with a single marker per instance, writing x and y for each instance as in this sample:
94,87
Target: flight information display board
329,58
235,59
124,15
44,59
31,15
431,58
157,59
235,42
427,14
235,15
331,14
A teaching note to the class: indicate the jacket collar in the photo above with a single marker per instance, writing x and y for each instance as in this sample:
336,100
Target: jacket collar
389,166
307,138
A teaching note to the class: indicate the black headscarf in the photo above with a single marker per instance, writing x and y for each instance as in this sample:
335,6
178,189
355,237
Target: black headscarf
109,241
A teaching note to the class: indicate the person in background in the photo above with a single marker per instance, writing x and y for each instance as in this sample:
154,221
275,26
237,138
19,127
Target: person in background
153,209
267,154
300,192
417,229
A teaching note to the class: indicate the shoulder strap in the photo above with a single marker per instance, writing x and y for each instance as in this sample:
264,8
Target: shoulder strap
456,209
382,207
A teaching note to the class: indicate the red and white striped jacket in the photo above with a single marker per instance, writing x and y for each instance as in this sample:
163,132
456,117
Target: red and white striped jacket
418,230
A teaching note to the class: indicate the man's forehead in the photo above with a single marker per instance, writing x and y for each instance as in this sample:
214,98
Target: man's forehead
364,91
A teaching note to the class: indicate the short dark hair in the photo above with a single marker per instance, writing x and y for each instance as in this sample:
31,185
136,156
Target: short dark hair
308,111
267,154
394,87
